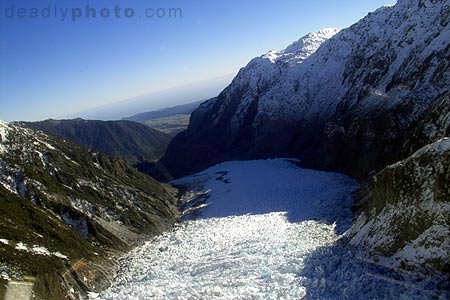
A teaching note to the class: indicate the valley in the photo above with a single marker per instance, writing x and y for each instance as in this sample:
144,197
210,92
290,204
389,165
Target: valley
266,230
322,171
171,120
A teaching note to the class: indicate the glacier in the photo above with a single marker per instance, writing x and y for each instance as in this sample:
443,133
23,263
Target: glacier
265,229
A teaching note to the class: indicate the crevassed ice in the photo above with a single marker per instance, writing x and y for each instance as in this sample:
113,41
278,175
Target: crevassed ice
268,232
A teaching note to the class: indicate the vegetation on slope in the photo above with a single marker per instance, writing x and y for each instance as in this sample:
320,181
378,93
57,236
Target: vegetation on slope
129,140
80,203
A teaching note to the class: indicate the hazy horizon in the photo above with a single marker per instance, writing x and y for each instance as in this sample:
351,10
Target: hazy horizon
100,53
180,95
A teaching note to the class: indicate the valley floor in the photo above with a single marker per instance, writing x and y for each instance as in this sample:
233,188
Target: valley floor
266,230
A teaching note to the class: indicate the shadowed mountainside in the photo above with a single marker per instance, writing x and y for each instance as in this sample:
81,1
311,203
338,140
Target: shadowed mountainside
132,141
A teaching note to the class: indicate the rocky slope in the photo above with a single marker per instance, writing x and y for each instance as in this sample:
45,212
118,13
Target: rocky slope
406,213
434,126
405,209
346,106
133,141
63,206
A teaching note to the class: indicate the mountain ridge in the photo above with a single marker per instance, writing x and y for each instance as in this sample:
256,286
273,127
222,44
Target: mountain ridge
381,72
132,141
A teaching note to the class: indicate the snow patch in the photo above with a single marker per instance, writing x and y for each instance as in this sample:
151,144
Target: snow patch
39,250
45,144
4,131
82,206
58,254
36,250
21,247
432,244
12,179
441,146
70,160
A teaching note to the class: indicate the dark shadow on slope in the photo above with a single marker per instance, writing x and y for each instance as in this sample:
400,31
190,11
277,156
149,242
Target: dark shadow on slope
155,170
340,272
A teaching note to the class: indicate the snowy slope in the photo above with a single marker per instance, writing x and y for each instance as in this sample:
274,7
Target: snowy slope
375,54
262,74
407,212
4,129
361,89
264,234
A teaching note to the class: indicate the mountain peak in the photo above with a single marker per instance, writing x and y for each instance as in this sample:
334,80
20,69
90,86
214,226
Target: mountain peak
311,41
263,70
301,49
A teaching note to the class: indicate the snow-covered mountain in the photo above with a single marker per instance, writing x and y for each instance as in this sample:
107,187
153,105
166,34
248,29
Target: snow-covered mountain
364,103
61,204
345,106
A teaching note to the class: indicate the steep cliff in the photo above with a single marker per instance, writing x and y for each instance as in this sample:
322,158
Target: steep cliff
406,212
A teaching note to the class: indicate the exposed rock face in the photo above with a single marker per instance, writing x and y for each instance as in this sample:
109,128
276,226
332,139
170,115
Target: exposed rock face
81,204
406,208
347,106
406,214
434,125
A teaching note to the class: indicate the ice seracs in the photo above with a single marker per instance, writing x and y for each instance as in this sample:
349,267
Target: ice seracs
268,231
246,243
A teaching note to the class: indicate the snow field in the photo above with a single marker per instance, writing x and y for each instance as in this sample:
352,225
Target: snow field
269,231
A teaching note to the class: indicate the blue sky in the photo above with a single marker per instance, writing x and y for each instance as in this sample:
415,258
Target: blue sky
50,67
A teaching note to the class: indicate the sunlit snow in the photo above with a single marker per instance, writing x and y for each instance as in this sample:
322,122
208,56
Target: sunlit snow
4,128
267,230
